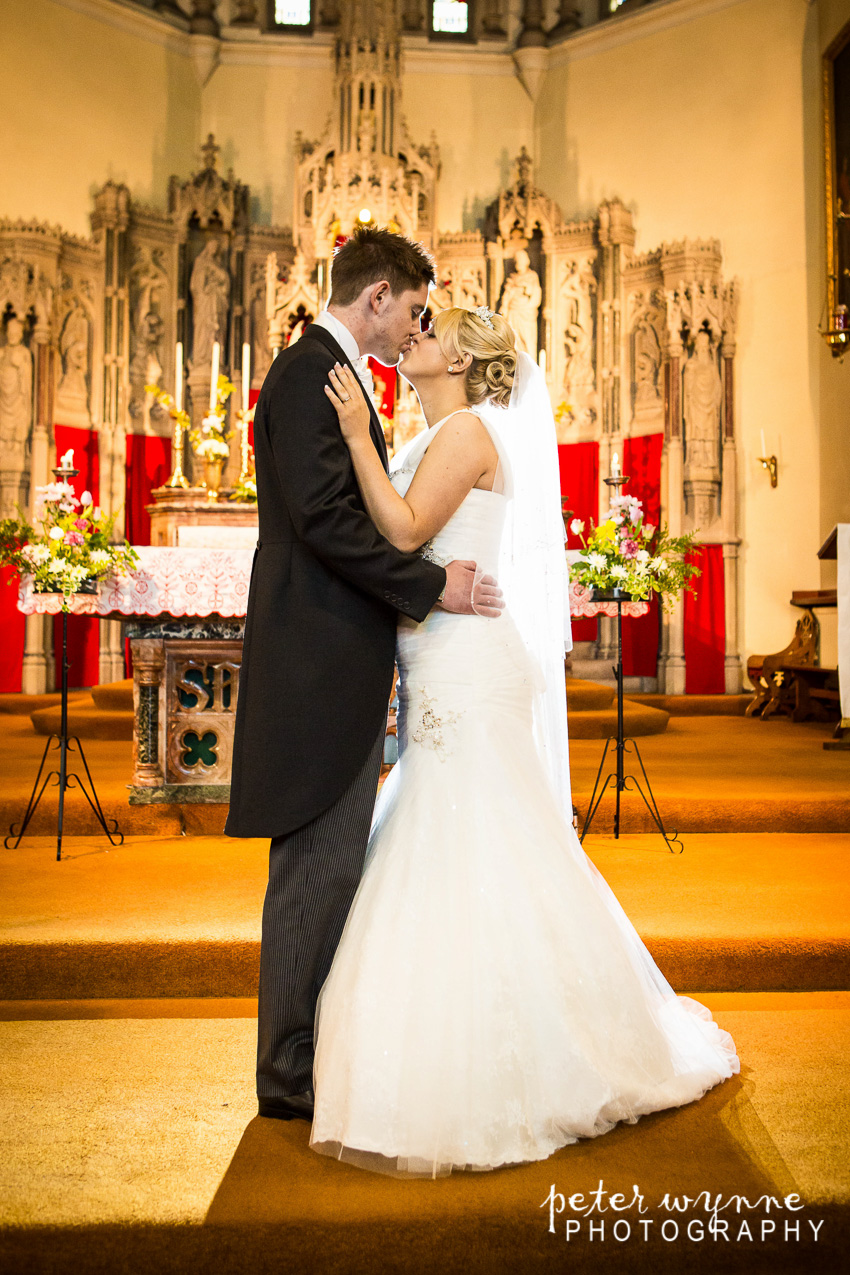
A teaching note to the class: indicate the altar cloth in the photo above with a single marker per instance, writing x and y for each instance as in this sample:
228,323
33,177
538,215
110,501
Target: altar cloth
199,582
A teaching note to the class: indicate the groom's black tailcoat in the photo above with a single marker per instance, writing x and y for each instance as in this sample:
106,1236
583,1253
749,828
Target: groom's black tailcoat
326,587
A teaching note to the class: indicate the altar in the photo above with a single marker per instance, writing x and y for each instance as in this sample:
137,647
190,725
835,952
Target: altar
183,610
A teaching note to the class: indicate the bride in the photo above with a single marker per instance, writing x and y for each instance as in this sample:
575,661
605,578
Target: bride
489,1000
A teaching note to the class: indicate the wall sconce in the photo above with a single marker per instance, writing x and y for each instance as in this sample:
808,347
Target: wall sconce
770,463
837,335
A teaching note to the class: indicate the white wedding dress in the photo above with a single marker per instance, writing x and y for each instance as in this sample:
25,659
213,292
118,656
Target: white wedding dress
489,1000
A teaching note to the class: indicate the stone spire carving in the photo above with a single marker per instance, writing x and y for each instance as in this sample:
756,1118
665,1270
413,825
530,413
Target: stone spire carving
365,166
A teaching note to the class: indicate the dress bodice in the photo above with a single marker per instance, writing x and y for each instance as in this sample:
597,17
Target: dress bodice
474,531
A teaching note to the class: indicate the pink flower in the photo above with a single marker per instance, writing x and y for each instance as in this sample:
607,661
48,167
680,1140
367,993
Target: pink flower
74,538
630,548
82,524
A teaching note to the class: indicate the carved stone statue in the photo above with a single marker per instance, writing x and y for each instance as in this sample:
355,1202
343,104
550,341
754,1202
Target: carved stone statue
646,368
72,392
702,395
210,288
576,293
15,397
521,302
472,293
367,132
148,284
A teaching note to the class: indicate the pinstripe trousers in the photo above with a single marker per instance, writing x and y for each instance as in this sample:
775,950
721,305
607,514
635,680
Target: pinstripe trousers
313,875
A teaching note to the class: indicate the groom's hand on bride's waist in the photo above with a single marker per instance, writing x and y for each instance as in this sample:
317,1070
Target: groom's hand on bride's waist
470,594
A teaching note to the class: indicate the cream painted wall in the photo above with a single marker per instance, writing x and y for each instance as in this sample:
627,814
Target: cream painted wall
701,129
255,112
85,102
481,122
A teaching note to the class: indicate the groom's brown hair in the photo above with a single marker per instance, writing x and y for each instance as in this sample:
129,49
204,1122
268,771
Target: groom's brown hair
372,254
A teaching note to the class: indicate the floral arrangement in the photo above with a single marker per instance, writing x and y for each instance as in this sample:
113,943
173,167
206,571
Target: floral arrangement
245,490
625,552
210,439
73,547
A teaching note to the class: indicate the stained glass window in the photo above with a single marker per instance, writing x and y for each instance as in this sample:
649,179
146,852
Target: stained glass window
450,17
292,13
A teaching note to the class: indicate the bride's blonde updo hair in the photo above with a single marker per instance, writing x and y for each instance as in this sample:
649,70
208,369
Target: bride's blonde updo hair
493,349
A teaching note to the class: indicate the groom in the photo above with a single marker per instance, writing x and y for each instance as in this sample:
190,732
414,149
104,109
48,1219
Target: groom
319,649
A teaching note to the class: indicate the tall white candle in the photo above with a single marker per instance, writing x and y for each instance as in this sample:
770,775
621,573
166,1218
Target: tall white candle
763,444
615,465
216,355
246,375
67,461
178,377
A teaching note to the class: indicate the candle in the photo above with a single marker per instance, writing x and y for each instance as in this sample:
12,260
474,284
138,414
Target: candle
246,375
763,444
178,377
615,466
541,361
216,355
67,461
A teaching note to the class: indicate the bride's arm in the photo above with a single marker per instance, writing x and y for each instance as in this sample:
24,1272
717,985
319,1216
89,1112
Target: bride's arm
460,454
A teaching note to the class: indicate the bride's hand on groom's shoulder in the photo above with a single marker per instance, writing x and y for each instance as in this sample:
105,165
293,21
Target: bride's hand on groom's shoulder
351,407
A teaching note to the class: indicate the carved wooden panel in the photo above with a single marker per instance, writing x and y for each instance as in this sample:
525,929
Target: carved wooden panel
201,689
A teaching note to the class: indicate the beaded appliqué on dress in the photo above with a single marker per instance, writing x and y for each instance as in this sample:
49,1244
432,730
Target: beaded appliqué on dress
428,551
430,732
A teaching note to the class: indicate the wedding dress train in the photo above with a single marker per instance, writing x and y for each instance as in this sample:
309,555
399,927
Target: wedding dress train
489,1001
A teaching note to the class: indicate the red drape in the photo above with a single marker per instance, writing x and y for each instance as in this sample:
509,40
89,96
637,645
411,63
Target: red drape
12,626
83,630
705,624
579,466
148,466
642,462
385,379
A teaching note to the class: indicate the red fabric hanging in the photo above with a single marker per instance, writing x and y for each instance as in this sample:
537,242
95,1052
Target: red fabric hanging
642,462
12,626
385,379
83,630
579,466
148,466
705,624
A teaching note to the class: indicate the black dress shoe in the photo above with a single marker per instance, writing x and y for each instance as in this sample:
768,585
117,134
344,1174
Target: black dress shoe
297,1106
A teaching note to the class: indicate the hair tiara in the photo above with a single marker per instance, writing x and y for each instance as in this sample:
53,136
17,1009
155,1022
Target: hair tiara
485,314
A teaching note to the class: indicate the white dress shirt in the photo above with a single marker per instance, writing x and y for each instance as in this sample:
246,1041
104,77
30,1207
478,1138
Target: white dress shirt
349,347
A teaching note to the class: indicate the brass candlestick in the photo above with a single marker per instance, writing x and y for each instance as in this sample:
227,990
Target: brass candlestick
245,447
178,478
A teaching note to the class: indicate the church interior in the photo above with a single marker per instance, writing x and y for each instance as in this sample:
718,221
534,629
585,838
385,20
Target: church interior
656,194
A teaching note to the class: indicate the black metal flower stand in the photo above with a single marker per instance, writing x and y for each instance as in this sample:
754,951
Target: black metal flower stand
622,745
66,744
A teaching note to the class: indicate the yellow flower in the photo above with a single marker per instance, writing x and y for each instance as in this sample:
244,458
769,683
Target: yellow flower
606,532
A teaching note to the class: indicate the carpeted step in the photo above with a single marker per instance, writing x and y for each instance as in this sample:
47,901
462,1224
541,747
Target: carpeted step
180,917
86,720
137,1147
602,723
584,696
695,705
22,705
114,695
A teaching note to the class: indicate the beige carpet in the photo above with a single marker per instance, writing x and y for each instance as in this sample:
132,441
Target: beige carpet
133,1145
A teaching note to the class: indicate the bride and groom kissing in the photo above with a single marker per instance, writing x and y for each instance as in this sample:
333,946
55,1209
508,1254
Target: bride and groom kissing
446,981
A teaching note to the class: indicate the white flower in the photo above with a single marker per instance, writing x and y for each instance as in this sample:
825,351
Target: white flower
618,572
58,564
617,520
658,564
597,561
85,499
642,555
56,533
577,526
36,554
99,557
